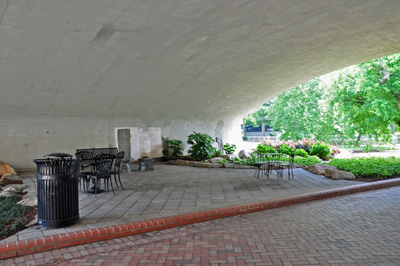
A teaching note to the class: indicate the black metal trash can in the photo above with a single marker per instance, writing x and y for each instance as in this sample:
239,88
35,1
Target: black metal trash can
57,192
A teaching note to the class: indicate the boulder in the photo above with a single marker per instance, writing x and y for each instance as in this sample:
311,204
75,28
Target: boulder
319,169
229,157
14,188
6,169
30,201
216,159
8,178
243,154
6,194
339,174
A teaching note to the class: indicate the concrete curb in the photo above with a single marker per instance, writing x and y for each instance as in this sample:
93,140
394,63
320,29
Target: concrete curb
40,244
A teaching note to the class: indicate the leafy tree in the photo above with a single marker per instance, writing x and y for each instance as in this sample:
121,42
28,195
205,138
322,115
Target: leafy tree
299,113
366,101
258,116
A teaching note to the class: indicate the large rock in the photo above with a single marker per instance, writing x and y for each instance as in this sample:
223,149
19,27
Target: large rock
14,188
6,169
243,154
6,194
319,169
32,201
339,174
216,159
229,157
8,178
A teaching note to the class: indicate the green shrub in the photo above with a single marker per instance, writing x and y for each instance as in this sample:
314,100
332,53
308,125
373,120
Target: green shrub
321,150
222,161
229,148
301,153
265,149
9,211
175,146
237,160
216,153
284,149
201,146
307,161
369,167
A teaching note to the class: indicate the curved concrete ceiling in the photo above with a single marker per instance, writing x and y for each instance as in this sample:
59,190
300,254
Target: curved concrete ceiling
178,59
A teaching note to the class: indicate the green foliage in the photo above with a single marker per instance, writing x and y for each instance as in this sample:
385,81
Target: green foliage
307,161
175,146
216,153
362,100
201,148
284,149
258,116
9,211
265,149
369,167
321,150
222,161
301,153
366,98
299,114
229,148
368,147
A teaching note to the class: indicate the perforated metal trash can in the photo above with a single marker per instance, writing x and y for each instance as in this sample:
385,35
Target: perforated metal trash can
57,192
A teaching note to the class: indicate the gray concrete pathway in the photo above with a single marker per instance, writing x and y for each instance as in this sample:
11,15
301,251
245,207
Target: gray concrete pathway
171,190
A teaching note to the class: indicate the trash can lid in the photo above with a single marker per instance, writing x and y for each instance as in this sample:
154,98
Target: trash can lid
58,155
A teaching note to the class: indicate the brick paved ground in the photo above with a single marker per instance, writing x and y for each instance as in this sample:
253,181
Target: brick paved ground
360,229
172,190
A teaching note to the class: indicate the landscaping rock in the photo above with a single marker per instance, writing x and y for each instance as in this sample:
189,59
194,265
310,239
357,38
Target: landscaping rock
237,166
319,169
6,194
14,188
208,165
339,174
6,169
243,154
32,201
8,178
229,157
216,159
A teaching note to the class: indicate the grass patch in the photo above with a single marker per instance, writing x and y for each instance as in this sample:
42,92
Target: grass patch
369,167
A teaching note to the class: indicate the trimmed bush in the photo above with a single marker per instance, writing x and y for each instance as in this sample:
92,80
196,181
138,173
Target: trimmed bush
301,153
321,150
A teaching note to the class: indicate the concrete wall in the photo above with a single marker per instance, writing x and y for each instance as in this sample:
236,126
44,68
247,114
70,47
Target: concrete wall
24,139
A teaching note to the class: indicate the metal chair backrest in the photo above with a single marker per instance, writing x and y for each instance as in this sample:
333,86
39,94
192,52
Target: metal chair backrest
84,155
103,163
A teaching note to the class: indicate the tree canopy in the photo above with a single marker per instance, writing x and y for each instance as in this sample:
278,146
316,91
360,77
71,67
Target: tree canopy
358,100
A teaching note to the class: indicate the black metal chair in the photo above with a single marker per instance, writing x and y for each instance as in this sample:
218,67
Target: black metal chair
289,165
117,168
85,159
103,170
260,165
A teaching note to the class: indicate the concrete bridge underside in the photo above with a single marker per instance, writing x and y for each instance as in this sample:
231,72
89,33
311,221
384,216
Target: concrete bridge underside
74,72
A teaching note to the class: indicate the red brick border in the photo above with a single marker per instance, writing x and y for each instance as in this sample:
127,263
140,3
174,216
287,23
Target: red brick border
40,244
